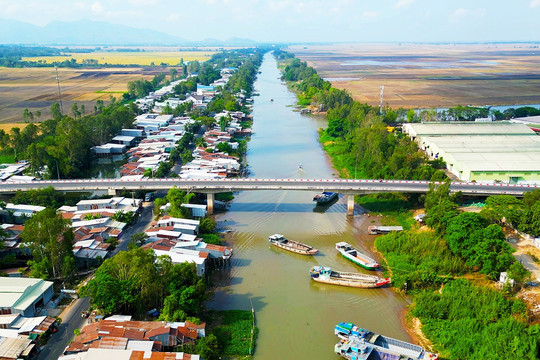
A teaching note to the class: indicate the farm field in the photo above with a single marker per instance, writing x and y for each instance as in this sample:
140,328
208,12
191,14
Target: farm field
145,57
36,88
430,75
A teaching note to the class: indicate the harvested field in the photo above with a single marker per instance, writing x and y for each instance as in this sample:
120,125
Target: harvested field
8,126
430,75
130,57
36,88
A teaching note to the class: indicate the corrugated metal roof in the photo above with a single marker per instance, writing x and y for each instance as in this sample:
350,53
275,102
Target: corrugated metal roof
12,348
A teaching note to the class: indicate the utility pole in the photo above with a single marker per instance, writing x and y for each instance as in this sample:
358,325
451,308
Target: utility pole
59,92
380,105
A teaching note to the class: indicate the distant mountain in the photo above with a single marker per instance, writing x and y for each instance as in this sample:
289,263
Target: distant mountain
87,32
230,42
82,32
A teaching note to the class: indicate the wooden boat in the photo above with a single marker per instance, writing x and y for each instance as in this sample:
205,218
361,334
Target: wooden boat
294,246
359,344
325,197
328,276
356,256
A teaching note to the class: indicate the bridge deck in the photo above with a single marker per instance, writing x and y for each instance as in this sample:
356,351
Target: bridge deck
348,186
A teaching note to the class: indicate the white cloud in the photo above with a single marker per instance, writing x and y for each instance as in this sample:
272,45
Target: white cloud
172,17
462,13
97,7
143,2
534,3
403,3
370,15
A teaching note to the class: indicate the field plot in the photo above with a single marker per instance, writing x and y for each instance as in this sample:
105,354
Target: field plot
36,88
130,57
430,75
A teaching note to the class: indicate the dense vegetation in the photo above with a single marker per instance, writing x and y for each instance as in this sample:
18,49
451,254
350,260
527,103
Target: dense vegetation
358,137
50,239
135,281
472,322
234,333
61,145
463,320
419,259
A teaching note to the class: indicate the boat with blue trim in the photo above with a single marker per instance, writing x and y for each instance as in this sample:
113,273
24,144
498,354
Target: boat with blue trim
360,344
325,198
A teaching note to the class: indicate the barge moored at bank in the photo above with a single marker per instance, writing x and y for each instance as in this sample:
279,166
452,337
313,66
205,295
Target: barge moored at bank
356,256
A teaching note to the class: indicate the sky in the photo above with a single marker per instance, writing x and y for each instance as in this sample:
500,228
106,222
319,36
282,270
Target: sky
301,20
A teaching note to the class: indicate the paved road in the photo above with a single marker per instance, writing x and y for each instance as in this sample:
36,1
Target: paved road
141,225
71,320
346,186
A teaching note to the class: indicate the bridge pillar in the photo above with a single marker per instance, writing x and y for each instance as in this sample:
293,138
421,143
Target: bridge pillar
111,191
210,203
350,204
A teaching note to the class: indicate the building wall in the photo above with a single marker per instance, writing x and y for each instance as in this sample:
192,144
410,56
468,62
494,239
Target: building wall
507,177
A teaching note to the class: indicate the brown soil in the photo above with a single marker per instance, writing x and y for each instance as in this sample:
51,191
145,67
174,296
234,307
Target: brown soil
430,75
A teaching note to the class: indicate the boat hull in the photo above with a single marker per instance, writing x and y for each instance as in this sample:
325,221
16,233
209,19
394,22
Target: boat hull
328,276
324,198
350,283
350,258
296,251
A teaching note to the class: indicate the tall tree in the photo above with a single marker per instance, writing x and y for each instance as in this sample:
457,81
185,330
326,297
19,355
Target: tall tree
50,239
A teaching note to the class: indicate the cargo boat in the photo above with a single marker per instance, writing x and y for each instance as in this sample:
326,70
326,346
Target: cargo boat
359,344
296,247
328,276
325,197
356,256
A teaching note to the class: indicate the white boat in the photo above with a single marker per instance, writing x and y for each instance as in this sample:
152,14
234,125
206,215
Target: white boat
294,246
356,256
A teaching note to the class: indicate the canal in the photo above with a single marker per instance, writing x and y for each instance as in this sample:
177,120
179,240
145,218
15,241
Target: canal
295,316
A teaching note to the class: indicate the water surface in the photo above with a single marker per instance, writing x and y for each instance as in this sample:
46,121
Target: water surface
295,315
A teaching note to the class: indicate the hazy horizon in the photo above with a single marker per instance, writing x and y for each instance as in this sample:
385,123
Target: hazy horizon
309,21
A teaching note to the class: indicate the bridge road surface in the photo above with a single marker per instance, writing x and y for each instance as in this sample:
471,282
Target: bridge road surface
72,317
344,186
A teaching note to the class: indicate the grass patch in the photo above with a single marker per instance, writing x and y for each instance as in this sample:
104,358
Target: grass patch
234,333
401,218
393,206
211,239
225,196
7,159
419,258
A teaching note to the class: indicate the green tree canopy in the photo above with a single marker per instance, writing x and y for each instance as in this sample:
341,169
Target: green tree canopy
50,239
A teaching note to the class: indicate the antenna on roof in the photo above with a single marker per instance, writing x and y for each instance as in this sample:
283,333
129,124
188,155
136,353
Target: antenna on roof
59,92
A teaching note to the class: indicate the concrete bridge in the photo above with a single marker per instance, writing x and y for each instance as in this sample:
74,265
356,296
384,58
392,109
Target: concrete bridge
348,187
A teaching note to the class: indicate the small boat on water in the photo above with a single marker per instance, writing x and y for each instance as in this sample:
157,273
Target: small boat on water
325,197
328,276
356,256
296,247
359,344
